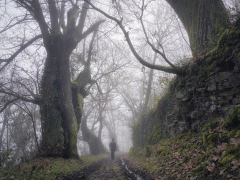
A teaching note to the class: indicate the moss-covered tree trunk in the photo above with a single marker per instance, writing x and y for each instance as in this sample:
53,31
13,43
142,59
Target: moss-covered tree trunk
59,120
204,21
59,124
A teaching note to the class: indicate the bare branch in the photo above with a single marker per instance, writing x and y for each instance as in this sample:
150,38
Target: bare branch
31,92
53,16
18,51
61,17
18,22
91,29
175,70
150,44
82,18
34,101
35,9
9,102
90,49
71,18
95,82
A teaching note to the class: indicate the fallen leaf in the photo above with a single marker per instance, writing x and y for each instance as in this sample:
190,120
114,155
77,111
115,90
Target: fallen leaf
222,171
211,131
235,167
229,176
212,167
220,147
234,162
215,158
234,141
223,131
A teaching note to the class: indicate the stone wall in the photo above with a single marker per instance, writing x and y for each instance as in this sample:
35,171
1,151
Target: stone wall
196,99
209,89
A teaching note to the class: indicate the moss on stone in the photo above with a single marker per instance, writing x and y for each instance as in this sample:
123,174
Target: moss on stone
238,133
233,122
211,67
211,125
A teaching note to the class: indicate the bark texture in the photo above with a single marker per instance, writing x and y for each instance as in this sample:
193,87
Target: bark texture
60,119
204,21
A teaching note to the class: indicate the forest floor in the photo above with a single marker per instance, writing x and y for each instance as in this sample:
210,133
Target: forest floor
99,167
107,169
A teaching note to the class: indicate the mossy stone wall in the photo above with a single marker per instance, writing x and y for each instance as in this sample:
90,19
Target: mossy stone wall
210,89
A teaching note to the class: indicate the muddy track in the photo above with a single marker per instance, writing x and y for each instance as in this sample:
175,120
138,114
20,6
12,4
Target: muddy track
107,169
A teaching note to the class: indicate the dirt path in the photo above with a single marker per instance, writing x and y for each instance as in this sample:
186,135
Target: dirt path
106,169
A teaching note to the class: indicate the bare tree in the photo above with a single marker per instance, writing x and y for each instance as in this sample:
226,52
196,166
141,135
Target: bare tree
60,38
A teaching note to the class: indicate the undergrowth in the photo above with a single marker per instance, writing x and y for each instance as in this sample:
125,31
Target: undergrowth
213,153
47,168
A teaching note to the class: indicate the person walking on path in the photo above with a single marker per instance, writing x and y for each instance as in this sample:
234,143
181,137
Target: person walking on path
112,146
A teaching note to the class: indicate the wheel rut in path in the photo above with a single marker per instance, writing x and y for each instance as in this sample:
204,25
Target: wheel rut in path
104,169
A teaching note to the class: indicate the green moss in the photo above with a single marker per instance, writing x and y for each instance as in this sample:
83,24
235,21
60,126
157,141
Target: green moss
224,47
232,153
223,39
233,122
212,138
204,138
227,159
238,133
201,170
186,159
147,152
52,168
211,67
73,139
162,151
211,55
211,125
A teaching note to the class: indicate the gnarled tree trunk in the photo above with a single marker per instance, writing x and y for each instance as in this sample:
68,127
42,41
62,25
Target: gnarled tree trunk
95,144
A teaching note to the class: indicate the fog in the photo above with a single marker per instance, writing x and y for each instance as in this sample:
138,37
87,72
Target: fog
117,93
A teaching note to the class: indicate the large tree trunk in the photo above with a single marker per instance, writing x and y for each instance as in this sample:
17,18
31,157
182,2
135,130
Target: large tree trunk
95,144
59,131
204,21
